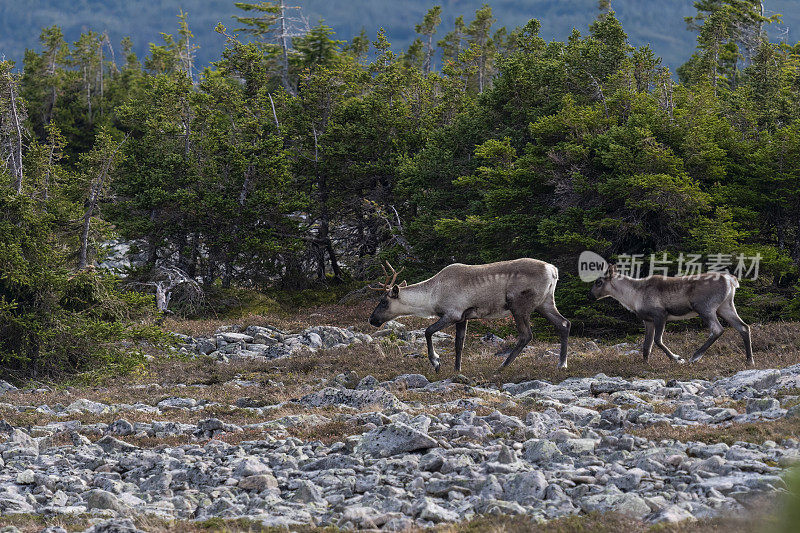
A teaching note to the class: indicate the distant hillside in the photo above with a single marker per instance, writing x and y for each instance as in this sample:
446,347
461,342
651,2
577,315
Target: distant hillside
659,23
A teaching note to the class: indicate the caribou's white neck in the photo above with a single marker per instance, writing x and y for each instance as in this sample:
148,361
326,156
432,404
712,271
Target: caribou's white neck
418,299
625,291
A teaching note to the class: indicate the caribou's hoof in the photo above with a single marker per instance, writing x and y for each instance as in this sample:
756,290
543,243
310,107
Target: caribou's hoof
435,365
696,358
680,361
562,367
751,362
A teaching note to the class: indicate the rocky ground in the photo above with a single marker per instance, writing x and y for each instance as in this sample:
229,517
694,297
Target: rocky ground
402,452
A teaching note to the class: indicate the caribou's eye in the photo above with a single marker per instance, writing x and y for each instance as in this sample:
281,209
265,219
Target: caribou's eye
598,282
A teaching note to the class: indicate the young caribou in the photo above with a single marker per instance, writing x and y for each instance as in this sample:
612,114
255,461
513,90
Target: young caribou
658,299
458,293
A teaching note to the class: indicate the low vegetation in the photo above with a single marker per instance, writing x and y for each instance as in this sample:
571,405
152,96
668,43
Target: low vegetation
594,523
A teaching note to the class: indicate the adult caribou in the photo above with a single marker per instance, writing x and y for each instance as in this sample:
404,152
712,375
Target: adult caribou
658,299
459,293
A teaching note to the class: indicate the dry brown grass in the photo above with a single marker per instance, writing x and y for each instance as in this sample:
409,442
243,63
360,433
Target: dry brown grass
329,432
758,522
27,523
775,345
226,412
343,315
229,414
774,430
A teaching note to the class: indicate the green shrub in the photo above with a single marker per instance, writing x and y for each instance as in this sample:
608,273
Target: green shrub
53,321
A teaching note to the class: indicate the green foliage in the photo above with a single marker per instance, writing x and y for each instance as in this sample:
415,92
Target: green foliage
294,163
52,321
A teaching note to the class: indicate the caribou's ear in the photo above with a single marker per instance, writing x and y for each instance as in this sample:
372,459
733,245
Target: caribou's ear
403,284
395,292
611,271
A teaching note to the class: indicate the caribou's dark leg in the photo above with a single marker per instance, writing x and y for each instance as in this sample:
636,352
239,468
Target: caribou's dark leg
522,317
728,312
562,325
461,334
659,323
716,331
442,323
649,333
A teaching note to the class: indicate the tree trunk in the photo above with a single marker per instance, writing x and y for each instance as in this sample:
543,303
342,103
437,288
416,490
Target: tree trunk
88,95
49,169
152,245
284,51
16,150
426,66
87,220
191,268
227,276
337,272
51,70
101,78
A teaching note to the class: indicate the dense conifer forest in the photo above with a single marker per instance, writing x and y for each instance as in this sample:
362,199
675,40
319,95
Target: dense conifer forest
298,162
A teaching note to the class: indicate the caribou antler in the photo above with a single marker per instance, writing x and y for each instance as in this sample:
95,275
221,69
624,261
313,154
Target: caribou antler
387,283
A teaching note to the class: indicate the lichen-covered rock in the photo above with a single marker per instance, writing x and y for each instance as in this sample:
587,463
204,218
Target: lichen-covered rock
426,509
541,450
110,444
258,482
393,439
120,427
115,525
249,466
88,406
411,381
357,399
526,487
759,380
627,503
177,403
102,499
671,515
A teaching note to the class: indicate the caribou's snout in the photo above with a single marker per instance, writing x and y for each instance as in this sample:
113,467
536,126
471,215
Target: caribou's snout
374,321
591,295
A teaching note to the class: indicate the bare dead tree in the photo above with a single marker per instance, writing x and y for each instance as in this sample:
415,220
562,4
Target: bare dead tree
666,101
186,50
427,29
277,23
290,27
12,115
165,280
274,114
395,227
